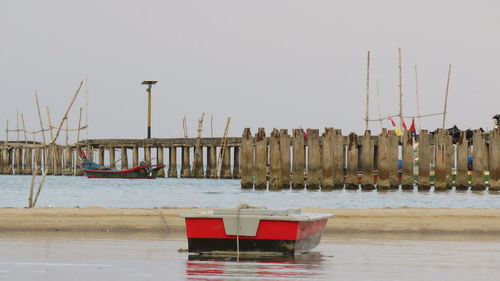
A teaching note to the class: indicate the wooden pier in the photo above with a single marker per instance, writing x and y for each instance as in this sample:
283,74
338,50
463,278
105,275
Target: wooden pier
299,159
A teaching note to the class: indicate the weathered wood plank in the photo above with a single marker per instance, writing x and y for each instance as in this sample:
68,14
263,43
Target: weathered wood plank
186,165
407,177
367,157
352,181
299,155
338,159
285,157
327,157
275,162
247,159
260,159
424,160
313,160
172,162
494,157
479,160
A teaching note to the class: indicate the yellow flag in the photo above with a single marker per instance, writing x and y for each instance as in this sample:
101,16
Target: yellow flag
398,132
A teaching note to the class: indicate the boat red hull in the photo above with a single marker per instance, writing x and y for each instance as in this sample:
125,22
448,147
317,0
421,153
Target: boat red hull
287,237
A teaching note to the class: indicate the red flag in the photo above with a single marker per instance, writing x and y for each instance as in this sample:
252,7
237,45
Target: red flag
412,127
392,121
403,124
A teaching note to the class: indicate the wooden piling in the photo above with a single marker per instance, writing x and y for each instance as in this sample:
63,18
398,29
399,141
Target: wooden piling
135,156
338,159
479,160
260,159
442,157
407,179
383,161
112,154
147,154
197,171
213,162
18,156
101,156
226,164
299,156
1,161
313,160
494,157
236,162
367,150
37,169
327,157
123,158
461,180
285,157
247,159
68,161
275,162
424,160
28,158
57,161
185,168
393,164
352,181
159,161
172,162
209,168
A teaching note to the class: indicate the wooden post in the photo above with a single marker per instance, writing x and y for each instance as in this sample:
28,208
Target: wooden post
159,161
247,159
197,171
236,162
407,179
213,162
494,166
147,154
449,159
479,160
383,161
172,162
38,161
352,181
393,161
338,159
226,164
327,165
209,168
1,161
313,160
124,158
135,156
285,157
424,160
275,161
112,162
461,181
49,159
58,161
260,159
442,157
298,159
18,156
68,161
27,160
185,169
101,156
367,150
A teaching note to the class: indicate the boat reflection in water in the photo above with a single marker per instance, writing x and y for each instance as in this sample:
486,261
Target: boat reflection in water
304,266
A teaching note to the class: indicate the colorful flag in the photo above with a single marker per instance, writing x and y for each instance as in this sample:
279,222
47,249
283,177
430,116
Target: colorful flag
403,124
412,127
392,121
398,132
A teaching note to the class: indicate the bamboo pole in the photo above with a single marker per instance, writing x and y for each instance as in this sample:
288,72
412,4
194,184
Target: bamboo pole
446,95
400,90
17,125
53,141
40,117
418,100
367,91
79,125
50,124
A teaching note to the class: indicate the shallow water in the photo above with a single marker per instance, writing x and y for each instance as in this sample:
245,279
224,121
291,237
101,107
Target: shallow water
58,257
61,191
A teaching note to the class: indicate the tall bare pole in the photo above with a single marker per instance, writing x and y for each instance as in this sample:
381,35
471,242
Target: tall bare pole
400,90
17,124
40,117
418,99
67,133
86,108
378,106
24,130
446,95
50,124
79,125
367,90
212,125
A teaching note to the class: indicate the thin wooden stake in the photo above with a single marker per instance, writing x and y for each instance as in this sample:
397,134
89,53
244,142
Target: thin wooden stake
418,100
400,90
24,130
223,147
446,95
367,91
79,126
50,124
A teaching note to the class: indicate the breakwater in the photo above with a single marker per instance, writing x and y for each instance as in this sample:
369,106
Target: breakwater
302,159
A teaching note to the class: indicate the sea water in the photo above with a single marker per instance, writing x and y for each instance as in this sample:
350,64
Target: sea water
71,191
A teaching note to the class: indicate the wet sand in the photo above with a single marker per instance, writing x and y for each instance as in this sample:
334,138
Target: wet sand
166,220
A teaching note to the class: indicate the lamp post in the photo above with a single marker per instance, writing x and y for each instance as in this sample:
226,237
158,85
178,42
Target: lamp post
148,90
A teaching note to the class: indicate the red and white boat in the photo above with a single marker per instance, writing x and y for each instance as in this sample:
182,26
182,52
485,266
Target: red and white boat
251,230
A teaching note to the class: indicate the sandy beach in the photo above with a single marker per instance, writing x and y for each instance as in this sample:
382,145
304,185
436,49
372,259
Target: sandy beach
385,220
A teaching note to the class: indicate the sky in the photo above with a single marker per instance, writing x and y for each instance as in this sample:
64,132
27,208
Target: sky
272,64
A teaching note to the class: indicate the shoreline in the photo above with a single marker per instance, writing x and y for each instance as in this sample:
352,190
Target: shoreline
167,220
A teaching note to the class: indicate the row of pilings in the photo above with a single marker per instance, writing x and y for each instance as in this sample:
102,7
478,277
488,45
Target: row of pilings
187,157
384,162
